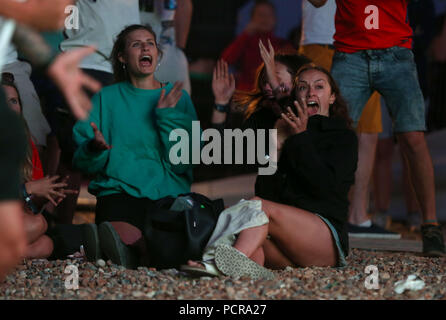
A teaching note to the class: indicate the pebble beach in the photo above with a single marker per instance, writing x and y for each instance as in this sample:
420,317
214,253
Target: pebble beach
52,280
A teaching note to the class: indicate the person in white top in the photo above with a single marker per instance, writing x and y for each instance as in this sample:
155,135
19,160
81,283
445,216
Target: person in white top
100,21
318,28
170,19
41,15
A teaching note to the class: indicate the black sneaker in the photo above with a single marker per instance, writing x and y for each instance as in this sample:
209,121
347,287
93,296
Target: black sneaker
114,249
433,243
91,244
373,232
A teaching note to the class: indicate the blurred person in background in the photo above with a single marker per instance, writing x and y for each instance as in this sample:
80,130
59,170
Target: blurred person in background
243,52
42,15
37,190
170,19
378,56
318,29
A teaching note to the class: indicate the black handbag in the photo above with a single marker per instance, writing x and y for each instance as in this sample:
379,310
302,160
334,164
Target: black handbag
174,237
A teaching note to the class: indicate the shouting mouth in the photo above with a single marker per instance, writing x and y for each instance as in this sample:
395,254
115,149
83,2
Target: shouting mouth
146,61
312,107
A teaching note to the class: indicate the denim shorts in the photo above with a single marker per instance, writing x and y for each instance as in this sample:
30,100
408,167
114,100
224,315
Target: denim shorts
392,72
342,262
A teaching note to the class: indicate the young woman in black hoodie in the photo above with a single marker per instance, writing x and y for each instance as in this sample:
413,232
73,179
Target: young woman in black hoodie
306,199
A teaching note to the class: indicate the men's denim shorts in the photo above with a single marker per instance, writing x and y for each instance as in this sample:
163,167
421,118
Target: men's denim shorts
392,72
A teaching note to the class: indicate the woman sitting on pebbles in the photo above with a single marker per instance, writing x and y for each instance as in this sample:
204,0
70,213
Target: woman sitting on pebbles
303,207
37,190
125,145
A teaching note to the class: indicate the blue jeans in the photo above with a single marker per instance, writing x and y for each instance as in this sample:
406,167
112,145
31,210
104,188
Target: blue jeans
392,72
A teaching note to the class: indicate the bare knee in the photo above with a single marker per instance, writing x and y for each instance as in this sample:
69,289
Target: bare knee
412,142
40,249
35,226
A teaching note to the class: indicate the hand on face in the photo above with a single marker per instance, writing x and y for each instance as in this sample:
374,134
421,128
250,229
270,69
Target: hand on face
223,83
297,124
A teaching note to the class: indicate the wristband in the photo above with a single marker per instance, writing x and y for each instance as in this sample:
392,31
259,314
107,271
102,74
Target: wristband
222,107
28,200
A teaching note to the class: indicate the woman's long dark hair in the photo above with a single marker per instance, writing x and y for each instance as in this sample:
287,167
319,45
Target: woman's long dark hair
7,79
250,101
119,72
339,108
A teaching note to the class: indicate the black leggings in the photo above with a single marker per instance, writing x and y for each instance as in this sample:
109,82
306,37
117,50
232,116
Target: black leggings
123,207
68,238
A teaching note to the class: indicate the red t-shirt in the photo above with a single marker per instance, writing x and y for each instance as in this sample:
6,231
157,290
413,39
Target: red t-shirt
37,164
371,24
244,53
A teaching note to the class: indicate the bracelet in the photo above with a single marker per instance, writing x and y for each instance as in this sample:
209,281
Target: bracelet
222,107
28,200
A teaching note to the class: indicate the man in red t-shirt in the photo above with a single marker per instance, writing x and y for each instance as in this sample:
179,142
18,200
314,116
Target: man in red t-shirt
244,52
373,43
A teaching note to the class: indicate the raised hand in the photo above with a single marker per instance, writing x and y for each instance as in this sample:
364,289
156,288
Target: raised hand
268,58
98,143
223,83
171,100
71,80
297,124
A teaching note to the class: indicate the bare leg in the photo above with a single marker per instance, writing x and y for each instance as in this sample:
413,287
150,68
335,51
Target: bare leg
128,233
360,191
52,156
35,226
382,175
39,249
250,240
414,146
276,259
65,211
410,197
301,236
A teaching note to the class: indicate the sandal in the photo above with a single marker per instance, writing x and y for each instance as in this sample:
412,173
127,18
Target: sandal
234,263
209,270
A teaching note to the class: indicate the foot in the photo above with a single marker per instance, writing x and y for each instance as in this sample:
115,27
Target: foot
196,264
433,242
382,219
372,232
234,263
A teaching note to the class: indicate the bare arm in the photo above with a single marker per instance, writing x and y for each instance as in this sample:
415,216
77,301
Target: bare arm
43,15
32,46
317,3
183,17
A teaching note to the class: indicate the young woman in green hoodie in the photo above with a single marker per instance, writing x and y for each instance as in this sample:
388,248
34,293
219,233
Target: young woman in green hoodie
125,142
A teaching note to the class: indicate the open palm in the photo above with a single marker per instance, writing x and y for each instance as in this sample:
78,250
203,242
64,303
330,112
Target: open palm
223,83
